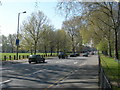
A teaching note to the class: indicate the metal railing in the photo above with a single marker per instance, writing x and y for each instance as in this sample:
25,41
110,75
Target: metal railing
104,82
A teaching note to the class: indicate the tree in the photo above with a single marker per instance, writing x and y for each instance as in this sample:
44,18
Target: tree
4,43
32,27
51,40
44,41
72,26
110,9
101,30
11,41
62,41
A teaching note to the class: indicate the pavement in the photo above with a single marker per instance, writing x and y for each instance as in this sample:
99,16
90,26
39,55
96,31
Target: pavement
85,77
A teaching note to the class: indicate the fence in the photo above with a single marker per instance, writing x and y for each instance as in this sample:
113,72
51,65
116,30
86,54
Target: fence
14,57
104,83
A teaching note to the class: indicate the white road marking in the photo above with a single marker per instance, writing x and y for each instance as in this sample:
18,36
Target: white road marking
36,72
5,81
75,62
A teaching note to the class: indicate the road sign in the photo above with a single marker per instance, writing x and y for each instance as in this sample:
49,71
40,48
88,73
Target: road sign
17,42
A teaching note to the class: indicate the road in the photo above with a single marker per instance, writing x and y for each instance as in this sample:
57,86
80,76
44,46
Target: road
74,72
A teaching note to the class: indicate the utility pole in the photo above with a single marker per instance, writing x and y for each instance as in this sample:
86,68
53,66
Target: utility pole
17,40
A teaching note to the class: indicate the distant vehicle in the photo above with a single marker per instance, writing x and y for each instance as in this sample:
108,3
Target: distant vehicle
36,58
77,54
85,54
73,55
62,55
92,53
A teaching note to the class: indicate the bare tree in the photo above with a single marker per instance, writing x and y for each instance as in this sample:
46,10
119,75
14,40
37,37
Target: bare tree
11,41
72,26
32,27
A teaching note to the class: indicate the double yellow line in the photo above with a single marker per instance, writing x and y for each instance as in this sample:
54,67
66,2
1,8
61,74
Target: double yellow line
56,82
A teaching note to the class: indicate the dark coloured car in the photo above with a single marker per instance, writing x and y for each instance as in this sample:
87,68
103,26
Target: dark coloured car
36,59
73,55
77,54
62,55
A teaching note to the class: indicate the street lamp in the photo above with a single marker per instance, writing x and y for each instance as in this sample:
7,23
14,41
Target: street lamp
17,40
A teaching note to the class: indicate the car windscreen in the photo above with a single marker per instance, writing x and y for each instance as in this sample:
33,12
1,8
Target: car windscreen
32,56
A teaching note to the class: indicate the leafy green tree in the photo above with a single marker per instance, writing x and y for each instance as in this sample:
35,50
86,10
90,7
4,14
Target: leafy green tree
45,37
109,9
51,40
62,41
72,27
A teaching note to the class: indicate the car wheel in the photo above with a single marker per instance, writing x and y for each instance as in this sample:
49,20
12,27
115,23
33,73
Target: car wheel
36,61
43,61
29,62
59,57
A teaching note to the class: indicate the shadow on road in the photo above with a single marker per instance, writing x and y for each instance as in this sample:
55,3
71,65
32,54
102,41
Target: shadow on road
43,75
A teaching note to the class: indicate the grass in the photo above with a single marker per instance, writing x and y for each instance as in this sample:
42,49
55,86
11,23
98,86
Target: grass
118,53
20,54
111,68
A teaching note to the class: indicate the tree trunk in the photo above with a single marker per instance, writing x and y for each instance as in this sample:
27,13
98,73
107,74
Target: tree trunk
51,50
57,49
109,49
35,47
73,47
116,46
12,49
31,51
45,47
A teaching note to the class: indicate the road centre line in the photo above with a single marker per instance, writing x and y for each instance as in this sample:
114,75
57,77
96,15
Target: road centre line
56,82
83,63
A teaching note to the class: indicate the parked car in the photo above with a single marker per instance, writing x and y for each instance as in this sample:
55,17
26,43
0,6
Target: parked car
92,53
62,55
73,55
36,58
85,54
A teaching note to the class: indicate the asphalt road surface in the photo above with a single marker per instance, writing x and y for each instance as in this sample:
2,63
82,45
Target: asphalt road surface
74,72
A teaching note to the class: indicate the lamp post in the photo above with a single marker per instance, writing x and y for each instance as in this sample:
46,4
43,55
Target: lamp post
17,40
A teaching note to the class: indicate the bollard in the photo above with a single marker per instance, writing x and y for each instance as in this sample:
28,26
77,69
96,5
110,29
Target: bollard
14,57
27,56
5,58
10,57
23,56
